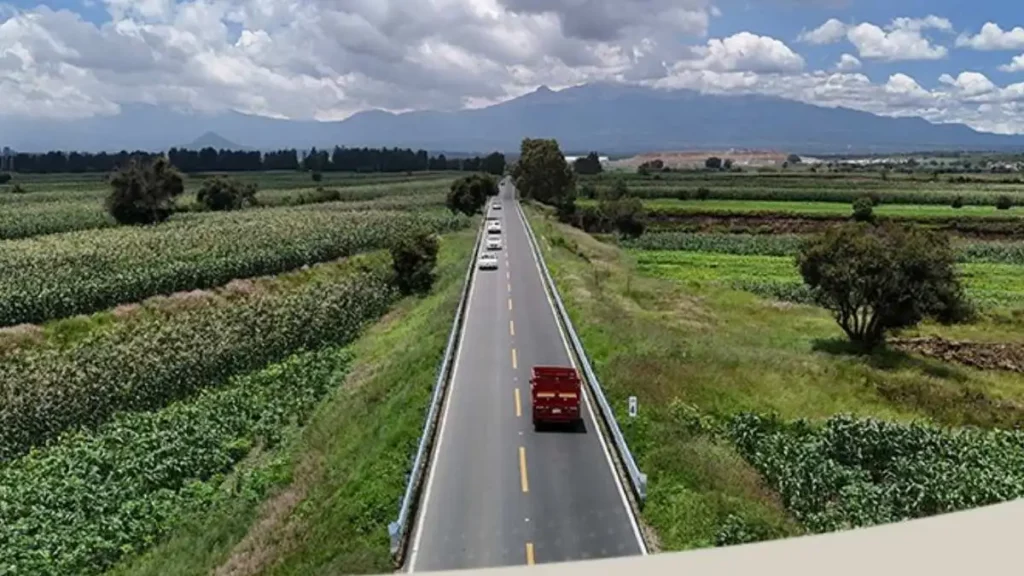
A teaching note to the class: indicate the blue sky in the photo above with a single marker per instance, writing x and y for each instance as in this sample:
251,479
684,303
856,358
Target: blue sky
327,59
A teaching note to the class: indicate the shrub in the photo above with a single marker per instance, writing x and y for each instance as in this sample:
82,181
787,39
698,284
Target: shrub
222,193
4,177
626,215
862,209
713,163
877,278
18,189
587,190
413,259
317,176
958,202
469,194
703,193
144,193
1004,202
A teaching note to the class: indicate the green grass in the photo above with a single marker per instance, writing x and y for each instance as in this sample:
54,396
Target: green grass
340,481
914,211
991,283
688,350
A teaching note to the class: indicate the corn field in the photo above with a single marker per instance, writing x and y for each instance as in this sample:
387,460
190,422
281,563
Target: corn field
77,273
156,359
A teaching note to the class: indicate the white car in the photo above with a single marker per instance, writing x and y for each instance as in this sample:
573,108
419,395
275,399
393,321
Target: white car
495,205
494,226
487,262
494,242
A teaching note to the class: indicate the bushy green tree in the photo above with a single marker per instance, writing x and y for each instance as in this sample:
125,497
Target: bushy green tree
493,163
1004,202
469,194
4,177
413,259
222,193
543,174
713,163
588,165
626,215
878,278
863,209
144,192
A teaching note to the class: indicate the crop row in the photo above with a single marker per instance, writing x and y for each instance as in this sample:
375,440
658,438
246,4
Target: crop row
82,504
789,245
823,192
61,275
988,284
660,208
148,361
860,472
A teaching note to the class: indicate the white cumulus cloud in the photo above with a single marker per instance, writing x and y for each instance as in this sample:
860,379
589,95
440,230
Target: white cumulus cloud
1015,65
993,37
326,59
848,63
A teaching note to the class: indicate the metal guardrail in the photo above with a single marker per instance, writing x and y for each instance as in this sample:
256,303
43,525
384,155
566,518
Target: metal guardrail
637,478
399,529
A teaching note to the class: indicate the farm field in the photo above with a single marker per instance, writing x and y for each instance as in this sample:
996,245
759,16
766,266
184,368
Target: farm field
724,376
161,383
59,203
658,207
756,421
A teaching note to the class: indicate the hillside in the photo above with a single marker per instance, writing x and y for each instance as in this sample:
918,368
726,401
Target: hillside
613,118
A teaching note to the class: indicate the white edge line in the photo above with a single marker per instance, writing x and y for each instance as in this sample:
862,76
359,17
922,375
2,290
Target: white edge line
435,453
586,395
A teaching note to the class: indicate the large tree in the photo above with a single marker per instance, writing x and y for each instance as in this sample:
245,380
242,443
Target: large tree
877,278
543,174
144,192
469,194
589,164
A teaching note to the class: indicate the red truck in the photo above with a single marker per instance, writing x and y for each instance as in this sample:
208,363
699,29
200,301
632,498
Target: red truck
555,394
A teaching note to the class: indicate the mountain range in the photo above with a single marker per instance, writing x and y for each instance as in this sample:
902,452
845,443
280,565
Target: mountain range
612,118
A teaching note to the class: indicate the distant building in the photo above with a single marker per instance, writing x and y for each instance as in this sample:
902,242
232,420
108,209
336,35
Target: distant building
7,160
602,159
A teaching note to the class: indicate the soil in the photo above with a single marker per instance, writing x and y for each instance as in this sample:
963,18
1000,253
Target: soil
981,355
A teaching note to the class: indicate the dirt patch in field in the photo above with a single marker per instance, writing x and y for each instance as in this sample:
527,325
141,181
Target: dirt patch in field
695,159
274,532
981,355
14,337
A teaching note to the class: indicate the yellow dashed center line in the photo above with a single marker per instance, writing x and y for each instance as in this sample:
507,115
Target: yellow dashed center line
519,405
511,328
515,364
529,553
522,470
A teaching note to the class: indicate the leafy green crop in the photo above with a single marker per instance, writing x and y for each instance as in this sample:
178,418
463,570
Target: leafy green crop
859,472
61,275
154,360
82,504
789,245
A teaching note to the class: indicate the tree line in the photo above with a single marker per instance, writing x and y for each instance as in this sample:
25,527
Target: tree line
212,160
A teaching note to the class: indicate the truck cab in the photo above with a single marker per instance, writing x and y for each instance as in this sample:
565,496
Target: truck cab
555,393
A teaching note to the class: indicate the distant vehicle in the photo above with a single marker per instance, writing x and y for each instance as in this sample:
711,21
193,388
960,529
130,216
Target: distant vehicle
487,262
495,205
494,242
494,226
555,395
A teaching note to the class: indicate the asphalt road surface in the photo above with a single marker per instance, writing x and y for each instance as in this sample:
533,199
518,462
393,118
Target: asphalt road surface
498,493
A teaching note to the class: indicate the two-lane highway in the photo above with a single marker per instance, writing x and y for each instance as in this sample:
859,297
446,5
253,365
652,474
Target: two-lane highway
498,493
